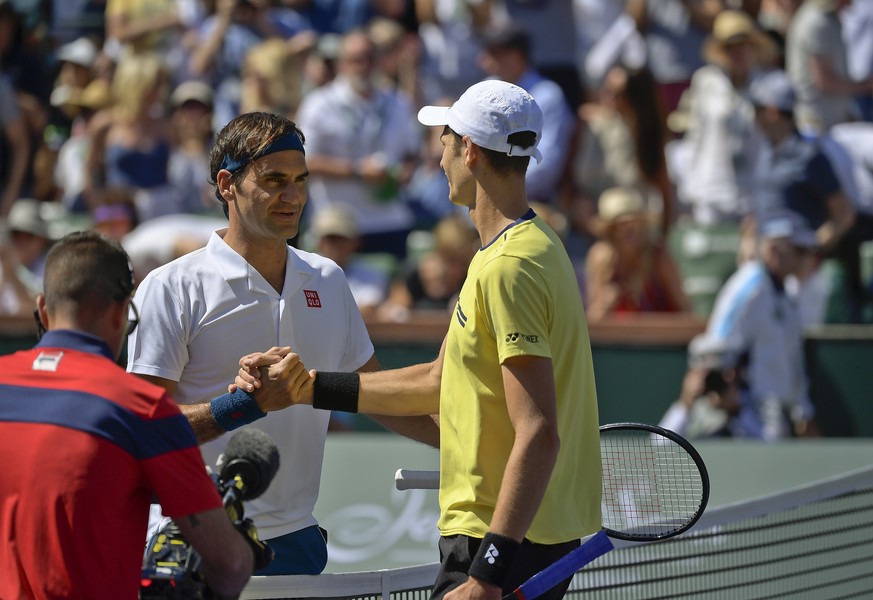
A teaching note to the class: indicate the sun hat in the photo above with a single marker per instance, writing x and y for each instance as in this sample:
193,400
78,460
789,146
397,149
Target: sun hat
335,221
81,51
619,202
26,216
735,26
192,90
489,112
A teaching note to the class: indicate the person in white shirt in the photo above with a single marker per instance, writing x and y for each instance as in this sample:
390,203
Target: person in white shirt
754,312
359,138
248,290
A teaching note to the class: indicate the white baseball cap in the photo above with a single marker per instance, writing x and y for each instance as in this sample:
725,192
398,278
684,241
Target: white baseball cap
489,112
784,223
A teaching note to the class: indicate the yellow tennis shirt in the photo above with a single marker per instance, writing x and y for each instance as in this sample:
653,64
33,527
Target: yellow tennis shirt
520,297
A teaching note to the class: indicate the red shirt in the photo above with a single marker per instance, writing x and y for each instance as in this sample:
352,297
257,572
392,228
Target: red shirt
84,447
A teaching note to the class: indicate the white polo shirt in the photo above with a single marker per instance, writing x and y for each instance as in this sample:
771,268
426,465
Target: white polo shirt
200,313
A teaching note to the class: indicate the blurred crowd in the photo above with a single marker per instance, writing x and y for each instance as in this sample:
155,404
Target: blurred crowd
673,129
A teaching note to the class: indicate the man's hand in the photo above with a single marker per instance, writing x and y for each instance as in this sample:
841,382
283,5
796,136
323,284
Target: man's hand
249,376
276,377
475,588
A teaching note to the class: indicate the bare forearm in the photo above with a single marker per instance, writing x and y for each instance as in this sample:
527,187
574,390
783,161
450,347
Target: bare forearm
409,391
204,57
524,484
202,422
424,429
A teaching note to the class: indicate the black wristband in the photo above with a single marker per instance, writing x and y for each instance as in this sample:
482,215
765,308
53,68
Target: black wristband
495,558
336,391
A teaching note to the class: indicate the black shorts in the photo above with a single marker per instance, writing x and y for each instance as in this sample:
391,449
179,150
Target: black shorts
457,552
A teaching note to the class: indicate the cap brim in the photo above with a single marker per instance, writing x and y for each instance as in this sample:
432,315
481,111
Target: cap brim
434,115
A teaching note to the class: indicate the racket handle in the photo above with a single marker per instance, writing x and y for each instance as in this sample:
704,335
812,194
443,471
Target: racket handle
406,479
598,545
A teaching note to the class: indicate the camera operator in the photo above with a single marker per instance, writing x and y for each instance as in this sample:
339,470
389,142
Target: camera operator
709,404
84,446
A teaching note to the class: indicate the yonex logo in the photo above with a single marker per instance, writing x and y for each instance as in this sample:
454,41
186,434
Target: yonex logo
491,554
513,337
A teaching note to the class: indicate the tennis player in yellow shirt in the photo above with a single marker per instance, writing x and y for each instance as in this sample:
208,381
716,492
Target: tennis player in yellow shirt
513,385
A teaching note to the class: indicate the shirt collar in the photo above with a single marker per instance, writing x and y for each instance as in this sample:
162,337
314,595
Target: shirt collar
75,340
234,267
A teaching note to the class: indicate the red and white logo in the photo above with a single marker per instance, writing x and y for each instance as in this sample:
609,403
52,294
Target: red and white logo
312,299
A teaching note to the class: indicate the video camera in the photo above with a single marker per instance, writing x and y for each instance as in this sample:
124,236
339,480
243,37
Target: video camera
172,567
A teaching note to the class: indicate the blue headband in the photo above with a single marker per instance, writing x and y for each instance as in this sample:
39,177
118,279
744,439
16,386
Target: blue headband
288,141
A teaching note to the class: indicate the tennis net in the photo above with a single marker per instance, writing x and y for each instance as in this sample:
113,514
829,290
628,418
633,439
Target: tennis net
811,542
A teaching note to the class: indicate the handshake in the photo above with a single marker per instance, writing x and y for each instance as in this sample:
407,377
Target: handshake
277,379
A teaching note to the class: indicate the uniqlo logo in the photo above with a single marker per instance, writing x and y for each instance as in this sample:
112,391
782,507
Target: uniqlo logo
312,299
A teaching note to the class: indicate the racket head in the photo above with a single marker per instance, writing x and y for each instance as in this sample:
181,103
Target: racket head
655,484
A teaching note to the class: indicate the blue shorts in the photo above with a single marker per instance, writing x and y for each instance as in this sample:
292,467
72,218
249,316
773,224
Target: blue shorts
302,552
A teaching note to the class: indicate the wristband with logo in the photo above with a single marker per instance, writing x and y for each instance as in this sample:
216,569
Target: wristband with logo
495,558
235,410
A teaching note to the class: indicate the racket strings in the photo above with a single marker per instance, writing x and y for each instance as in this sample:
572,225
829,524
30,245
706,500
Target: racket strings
651,485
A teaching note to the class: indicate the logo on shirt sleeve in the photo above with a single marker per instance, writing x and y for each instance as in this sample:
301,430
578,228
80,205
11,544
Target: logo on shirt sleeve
515,336
312,299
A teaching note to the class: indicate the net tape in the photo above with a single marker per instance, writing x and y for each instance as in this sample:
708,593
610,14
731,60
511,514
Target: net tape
813,542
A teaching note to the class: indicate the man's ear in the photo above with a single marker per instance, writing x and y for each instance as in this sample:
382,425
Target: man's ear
41,312
470,151
225,185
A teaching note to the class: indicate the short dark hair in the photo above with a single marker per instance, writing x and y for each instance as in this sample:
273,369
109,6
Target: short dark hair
503,163
243,139
86,271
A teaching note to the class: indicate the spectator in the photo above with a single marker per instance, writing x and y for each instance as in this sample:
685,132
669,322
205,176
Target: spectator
124,441
801,178
724,146
89,110
450,42
30,239
135,144
114,215
14,143
627,271
359,140
434,280
857,26
709,404
188,169
76,70
223,41
817,64
507,56
551,28
16,297
754,312
674,31
337,238
271,78
624,143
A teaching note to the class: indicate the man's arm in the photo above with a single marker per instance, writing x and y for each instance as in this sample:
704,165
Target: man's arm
424,429
228,560
408,391
530,399
201,416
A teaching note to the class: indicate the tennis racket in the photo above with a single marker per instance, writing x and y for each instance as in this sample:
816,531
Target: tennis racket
655,486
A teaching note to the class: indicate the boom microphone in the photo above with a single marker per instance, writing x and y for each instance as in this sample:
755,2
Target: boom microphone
249,463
